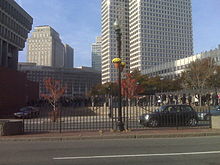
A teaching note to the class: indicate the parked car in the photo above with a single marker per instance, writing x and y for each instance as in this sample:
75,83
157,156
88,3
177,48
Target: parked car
207,113
168,115
27,112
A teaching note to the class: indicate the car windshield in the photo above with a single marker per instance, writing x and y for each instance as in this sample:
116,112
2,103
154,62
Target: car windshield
216,108
25,109
160,109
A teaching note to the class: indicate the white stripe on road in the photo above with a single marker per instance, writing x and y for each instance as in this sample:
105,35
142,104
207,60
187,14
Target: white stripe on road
138,155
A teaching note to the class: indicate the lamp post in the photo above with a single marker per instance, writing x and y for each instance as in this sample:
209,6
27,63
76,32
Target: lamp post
215,73
118,38
161,86
214,84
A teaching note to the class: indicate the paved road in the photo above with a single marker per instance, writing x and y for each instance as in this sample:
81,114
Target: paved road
179,151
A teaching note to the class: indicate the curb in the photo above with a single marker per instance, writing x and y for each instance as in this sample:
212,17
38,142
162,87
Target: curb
108,137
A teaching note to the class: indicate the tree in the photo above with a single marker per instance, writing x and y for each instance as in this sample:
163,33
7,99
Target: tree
152,85
214,80
56,91
102,89
171,84
198,73
136,74
130,86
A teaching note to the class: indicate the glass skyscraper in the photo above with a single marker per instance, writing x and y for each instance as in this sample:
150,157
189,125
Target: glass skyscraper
96,54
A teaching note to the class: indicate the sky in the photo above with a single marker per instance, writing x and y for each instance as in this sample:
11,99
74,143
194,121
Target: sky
79,22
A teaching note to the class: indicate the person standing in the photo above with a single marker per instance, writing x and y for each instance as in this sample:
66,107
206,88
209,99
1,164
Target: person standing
189,99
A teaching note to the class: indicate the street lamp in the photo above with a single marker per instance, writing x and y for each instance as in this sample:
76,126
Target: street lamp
215,73
118,38
214,84
161,86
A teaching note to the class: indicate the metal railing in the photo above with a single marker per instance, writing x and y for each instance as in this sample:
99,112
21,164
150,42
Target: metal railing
102,115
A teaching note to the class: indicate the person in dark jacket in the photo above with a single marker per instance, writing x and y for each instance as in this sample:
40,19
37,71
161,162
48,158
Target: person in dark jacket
189,99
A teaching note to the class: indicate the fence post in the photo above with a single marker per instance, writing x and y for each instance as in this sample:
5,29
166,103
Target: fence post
60,120
23,125
177,127
210,119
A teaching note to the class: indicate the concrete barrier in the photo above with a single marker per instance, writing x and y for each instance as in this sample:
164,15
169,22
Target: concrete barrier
11,127
215,122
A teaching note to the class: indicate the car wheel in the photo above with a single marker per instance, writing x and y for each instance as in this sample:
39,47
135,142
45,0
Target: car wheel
38,114
29,116
192,122
207,117
153,123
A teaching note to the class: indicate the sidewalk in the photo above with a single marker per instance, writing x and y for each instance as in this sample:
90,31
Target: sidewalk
136,134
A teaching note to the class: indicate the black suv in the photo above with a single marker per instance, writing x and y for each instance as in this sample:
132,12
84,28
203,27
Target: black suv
168,115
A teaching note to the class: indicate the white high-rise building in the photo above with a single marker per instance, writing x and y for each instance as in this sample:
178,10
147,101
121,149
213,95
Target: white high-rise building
160,31
96,54
153,32
44,47
112,10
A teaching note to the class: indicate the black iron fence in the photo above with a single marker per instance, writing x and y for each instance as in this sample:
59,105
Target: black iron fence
102,114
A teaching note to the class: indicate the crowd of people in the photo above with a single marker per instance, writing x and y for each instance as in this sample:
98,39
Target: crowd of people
77,101
191,99
146,100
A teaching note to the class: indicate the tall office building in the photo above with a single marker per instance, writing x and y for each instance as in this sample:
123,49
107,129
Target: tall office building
68,56
96,54
15,24
45,47
160,31
112,10
154,32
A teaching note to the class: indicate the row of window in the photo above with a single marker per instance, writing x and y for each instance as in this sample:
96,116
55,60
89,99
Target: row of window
169,2
171,37
178,21
10,36
40,35
8,8
169,27
39,40
10,23
184,50
176,68
166,44
179,10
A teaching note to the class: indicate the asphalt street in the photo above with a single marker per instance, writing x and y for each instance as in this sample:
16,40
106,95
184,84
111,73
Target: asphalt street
173,151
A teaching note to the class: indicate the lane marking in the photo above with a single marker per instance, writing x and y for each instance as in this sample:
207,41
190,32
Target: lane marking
138,155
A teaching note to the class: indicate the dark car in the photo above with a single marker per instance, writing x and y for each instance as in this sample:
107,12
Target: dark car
27,112
168,115
207,113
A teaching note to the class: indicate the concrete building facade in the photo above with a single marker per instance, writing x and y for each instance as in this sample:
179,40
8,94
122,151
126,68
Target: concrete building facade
15,24
172,69
78,81
68,56
112,10
44,47
96,54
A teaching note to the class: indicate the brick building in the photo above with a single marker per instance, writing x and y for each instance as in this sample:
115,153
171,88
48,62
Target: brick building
15,91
